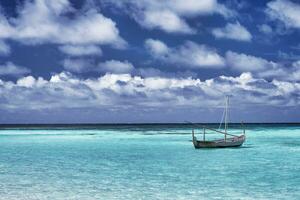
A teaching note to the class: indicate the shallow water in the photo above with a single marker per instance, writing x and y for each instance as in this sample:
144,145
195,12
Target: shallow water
147,162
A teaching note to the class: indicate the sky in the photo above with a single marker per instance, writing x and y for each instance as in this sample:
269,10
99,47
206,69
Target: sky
138,61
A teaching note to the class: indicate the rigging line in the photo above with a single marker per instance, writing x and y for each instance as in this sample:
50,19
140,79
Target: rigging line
228,113
222,119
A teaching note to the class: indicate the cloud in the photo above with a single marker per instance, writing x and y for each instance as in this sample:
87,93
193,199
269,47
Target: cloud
83,65
189,54
169,16
155,72
287,56
191,7
74,50
296,64
28,81
78,65
156,47
50,22
115,66
233,32
247,63
295,74
10,69
266,29
285,11
119,91
193,56
4,48
165,20
263,68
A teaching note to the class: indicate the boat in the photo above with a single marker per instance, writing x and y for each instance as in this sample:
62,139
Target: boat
229,140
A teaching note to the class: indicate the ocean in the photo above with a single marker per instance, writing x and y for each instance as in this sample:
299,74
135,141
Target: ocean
146,161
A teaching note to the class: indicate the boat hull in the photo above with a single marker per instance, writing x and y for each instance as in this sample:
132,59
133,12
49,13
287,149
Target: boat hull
231,142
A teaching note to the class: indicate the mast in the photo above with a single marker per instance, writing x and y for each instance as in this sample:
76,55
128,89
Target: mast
226,116
193,135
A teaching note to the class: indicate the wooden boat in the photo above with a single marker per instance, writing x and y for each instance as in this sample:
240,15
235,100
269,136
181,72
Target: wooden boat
230,140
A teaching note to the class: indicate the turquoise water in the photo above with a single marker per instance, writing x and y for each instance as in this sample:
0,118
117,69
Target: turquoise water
147,162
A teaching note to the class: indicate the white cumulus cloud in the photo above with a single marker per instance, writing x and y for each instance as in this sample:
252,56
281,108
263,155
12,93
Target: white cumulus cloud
43,21
169,16
287,12
117,91
156,47
189,54
263,68
75,50
243,62
233,31
116,67
82,65
78,65
10,69
165,20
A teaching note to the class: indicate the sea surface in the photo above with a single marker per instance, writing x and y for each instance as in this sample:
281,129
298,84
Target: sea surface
154,161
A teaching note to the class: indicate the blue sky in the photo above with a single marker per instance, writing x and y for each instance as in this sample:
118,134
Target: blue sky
81,61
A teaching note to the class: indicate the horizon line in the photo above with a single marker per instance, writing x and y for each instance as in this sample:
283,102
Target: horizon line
139,123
